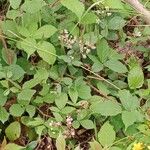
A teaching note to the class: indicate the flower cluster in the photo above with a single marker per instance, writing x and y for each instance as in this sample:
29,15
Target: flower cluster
70,131
55,124
67,39
85,48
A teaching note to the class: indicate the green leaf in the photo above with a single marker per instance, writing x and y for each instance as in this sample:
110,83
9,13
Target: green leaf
13,131
73,93
41,76
12,146
45,31
116,66
16,110
75,6
33,6
8,26
25,32
25,95
9,56
84,91
87,124
95,145
89,18
128,118
47,52
30,109
106,108
3,98
135,77
103,88
106,135
115,4
28,45
103,50
115,148
83,113
61,100
13,14
15,3
67,110
3,114
17,72
128,101
60,142
116,23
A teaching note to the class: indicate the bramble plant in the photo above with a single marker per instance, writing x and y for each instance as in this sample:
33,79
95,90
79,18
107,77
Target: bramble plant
74,74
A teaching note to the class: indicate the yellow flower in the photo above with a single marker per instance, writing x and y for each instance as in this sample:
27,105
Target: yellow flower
148,147
138,146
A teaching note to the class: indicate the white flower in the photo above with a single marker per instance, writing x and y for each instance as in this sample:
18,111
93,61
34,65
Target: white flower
138,34
109,14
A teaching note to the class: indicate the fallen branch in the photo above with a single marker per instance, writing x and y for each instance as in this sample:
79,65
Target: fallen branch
140,9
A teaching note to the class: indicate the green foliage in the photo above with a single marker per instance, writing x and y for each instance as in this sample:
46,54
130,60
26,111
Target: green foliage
70,68
13,131
106,135
60,142
75,6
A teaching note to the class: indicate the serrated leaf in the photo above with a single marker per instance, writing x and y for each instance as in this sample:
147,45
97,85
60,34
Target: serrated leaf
45,31
95,145
4,115
106,108
84,91
47,52
128,118
28,45
26,95
135,77
103,88
115,148
13,14
115,4
87,124
60,142
3,98
16,110
116,23
106,135
73,95
67,110
30,7
89,18
15,3
103,50
30,109
116,66
13,131
75,6
128,101
24,32
9,56
12,146
61,100
17,71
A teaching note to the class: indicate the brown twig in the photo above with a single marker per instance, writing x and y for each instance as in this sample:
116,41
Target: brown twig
140,9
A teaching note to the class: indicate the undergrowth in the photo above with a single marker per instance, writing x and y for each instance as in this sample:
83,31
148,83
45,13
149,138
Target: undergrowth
74,75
